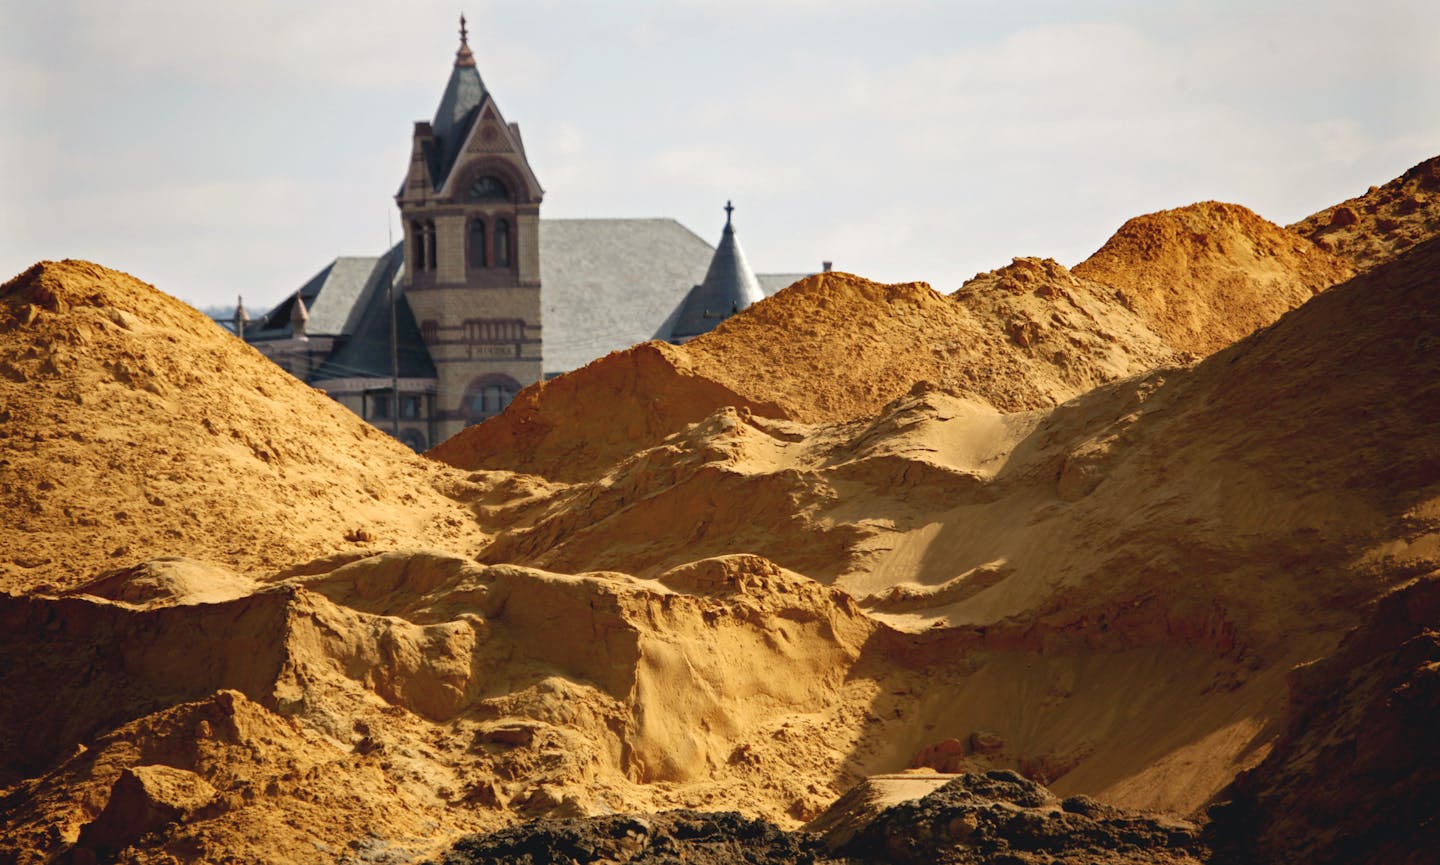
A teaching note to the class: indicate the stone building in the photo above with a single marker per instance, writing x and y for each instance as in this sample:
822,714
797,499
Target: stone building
487,297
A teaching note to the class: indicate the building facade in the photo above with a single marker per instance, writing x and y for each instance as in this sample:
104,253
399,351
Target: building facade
482,297
470,207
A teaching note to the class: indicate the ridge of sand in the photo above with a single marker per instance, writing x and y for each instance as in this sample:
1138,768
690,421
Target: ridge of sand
1106,595
1208,274
831,347
1165,289
1387,220
640,395
135,428
836,347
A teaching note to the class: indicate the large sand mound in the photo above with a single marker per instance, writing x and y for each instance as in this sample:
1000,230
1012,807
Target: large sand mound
1168,287
729,593
832,347
837,347
1052,513
134,427
1206,275
1374,228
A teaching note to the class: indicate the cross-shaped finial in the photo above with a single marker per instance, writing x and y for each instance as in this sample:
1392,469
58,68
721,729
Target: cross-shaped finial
728,209
464,34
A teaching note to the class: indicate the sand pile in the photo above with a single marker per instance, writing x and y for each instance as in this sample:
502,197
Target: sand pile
941,487
832,347
725,593
1224,521
1386,221
1356,773
134,428
1167,288
1206,275
458,695
836,347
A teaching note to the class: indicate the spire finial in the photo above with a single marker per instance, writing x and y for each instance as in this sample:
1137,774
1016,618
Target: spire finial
463,57
729,208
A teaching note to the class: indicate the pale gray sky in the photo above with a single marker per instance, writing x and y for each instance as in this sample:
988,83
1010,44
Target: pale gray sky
222,148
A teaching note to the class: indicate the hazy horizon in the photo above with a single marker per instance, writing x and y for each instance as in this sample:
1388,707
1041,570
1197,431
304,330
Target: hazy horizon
226,150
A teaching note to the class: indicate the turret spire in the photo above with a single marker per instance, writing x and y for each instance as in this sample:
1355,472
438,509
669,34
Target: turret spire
242,317
730,286
299,317
463,57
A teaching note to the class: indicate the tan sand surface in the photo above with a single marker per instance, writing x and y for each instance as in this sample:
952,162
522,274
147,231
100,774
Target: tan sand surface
1387,220
135,428
1205,275
857,529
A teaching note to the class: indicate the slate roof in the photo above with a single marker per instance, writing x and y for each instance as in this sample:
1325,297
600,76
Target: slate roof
464,94
607,284
730,286
364,351
331,297
333,310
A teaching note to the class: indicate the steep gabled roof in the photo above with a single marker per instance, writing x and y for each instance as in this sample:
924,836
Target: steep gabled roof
464,94
330,297
365,352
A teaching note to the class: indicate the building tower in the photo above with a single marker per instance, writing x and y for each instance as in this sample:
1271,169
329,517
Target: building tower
470,207
730,286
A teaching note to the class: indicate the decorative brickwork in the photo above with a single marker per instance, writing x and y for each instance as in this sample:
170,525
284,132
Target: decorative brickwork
476,286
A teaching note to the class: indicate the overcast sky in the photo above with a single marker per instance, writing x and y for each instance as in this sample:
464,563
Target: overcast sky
223,148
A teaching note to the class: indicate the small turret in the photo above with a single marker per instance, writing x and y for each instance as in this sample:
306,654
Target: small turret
242,317
299,317
730,286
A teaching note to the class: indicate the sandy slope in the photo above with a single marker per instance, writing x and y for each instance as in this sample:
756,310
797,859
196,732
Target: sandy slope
745,573
1356,773
1166,287
1374,228
1206,275
133,427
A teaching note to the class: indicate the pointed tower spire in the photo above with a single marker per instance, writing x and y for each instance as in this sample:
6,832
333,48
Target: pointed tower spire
463,57
459,107
730,286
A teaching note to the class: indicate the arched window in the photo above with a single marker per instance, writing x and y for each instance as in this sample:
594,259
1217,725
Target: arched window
417,246
488,395
429,244
477,243
502,243
487,187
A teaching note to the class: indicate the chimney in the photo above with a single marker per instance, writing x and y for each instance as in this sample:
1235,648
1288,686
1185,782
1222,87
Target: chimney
827,265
